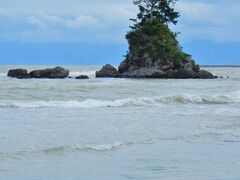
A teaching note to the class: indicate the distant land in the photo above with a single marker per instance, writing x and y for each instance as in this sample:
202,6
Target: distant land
233,66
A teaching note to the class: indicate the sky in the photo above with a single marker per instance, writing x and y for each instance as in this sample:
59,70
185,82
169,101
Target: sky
78,32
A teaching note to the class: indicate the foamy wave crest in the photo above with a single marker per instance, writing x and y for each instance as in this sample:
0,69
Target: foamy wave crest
126,102
62,149
3,74
71,148
89,103
93,147
79,147
199,99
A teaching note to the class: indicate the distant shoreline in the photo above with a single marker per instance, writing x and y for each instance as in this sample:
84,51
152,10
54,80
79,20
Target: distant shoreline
216,66
50,65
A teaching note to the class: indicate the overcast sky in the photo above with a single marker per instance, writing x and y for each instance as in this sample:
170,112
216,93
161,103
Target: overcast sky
93,31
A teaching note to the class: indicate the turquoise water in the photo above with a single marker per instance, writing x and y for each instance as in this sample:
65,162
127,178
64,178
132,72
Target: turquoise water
105,129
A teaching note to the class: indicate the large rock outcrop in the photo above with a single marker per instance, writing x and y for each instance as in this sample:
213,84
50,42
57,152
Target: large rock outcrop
154,52
50,73
107,71
18,73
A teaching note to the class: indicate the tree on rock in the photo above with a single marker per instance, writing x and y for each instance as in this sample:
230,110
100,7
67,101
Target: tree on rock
160,9
151,42
154,51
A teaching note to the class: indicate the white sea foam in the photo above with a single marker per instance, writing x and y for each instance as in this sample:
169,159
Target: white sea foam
79,147
88,73
70,148
89,103
94,147
126,102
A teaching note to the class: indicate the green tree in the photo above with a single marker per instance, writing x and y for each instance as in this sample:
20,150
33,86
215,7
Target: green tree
156,9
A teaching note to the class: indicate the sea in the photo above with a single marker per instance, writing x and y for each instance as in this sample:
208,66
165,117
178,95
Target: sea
120,129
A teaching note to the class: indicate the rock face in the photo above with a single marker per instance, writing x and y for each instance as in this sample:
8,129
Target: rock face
187,70
51,73
18,73
82,77
107,71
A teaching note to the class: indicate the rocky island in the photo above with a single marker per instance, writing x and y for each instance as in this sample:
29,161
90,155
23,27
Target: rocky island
154,51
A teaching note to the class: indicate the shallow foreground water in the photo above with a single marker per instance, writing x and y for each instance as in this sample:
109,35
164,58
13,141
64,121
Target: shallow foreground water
119,129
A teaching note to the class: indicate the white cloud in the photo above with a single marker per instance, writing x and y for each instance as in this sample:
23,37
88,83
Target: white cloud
35,21
214,13
74,20
46,21
82,21
213,20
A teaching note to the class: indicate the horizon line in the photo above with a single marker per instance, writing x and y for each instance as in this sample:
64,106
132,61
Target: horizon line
201,65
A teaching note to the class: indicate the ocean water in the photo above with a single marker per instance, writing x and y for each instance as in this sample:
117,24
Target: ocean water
119,129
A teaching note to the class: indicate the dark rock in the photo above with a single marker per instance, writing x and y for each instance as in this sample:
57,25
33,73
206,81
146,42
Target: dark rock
203,74
186,73
170,74
51,73
18,73
107,71
196,68
70,77
144,73
82,77
124,66
185,70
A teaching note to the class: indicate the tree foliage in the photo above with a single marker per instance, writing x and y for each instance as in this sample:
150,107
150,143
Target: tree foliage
156,9
155,39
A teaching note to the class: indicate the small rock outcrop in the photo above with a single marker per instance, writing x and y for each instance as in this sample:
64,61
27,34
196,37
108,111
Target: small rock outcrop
18,73
82,77
50,73
107,71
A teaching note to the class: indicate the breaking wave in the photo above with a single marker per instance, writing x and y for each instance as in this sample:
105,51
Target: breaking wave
71,148
126,102
1,74
79,147
88,73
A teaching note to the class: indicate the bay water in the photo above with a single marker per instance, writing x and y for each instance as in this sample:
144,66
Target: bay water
119,129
